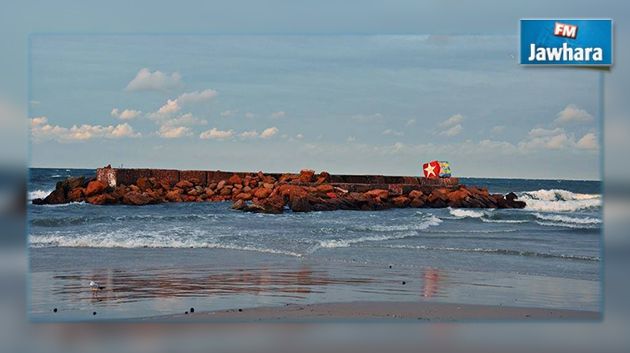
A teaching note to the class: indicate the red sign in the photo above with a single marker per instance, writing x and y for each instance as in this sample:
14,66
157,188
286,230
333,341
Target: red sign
431,169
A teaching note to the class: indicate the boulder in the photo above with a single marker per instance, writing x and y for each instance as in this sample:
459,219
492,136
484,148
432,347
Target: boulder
400,201
324,188
378,193
322,178
413,194
173,196
307,176
136,198
95,187
184,184
235,180
262,193
76,195
101,199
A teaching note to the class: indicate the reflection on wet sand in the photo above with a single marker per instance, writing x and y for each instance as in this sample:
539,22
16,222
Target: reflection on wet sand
123,286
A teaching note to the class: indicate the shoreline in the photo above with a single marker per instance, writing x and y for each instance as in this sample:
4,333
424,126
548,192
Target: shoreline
379,311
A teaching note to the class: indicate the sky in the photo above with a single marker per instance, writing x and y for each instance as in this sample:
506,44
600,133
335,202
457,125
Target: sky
378,104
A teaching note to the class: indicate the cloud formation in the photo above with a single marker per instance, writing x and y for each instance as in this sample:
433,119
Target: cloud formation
572,114
174,105
126,114
452,126
278,114
147,80
269,132
41,130
556,139
216,134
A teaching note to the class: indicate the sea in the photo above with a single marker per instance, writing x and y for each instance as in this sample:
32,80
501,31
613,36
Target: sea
157,260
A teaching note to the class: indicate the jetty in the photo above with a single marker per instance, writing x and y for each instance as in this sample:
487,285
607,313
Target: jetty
273,192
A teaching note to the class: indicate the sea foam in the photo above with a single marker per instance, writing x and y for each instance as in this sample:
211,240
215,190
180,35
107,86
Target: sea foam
558,200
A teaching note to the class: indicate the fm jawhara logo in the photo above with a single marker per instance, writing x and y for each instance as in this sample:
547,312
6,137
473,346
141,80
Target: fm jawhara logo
566,42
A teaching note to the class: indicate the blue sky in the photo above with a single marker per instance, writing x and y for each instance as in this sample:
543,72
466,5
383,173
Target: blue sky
343,103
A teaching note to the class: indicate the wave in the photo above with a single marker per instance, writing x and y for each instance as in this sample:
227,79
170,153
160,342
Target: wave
567,225
558,200
344,243
38,194
77,220
567,219
465,213
48,241
512,221
498,252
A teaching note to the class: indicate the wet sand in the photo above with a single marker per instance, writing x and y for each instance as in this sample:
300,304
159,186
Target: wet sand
379,311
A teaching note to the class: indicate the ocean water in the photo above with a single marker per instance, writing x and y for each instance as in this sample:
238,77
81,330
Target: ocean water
163,259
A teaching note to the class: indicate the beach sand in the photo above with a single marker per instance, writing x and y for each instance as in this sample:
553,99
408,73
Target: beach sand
379,311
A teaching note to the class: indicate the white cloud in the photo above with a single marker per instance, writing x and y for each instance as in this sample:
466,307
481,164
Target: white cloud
299,136
453,120
174,105
185,120
249,115
392,132
269,132
126,114
411,122
147,80
216,134
278,114
170,107
452,131
171,132
41,130
541,138
452,126
249,134
351,139
572,114
197,96
588,142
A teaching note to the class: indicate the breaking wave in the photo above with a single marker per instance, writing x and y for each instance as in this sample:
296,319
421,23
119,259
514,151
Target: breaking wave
558,200
498,252
92,241
567,219
344,243
38,194
465,213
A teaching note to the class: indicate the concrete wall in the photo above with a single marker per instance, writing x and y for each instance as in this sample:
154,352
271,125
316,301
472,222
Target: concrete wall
117,176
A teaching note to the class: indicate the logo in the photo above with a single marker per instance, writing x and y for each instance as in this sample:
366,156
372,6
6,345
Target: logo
566,42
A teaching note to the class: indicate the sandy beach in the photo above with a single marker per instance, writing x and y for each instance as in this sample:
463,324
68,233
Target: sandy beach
378,311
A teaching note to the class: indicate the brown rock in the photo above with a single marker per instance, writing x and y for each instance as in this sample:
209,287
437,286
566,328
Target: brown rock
235,180
400,201
378,193
325,188
243,196
184,184
307,176
101,199
413,194
262,193
416,202
174,195
76,195
136,198
95,187
220,185
209,192
322,178
143,183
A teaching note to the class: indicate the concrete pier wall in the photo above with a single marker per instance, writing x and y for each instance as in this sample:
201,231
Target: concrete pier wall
126,176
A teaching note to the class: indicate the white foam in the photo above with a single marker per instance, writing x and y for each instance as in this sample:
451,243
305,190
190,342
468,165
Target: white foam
123,241
511,221
343,243
566,225
567,219
38,194
558,200
465,213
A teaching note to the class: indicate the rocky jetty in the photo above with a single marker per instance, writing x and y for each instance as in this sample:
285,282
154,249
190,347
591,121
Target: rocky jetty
267,193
